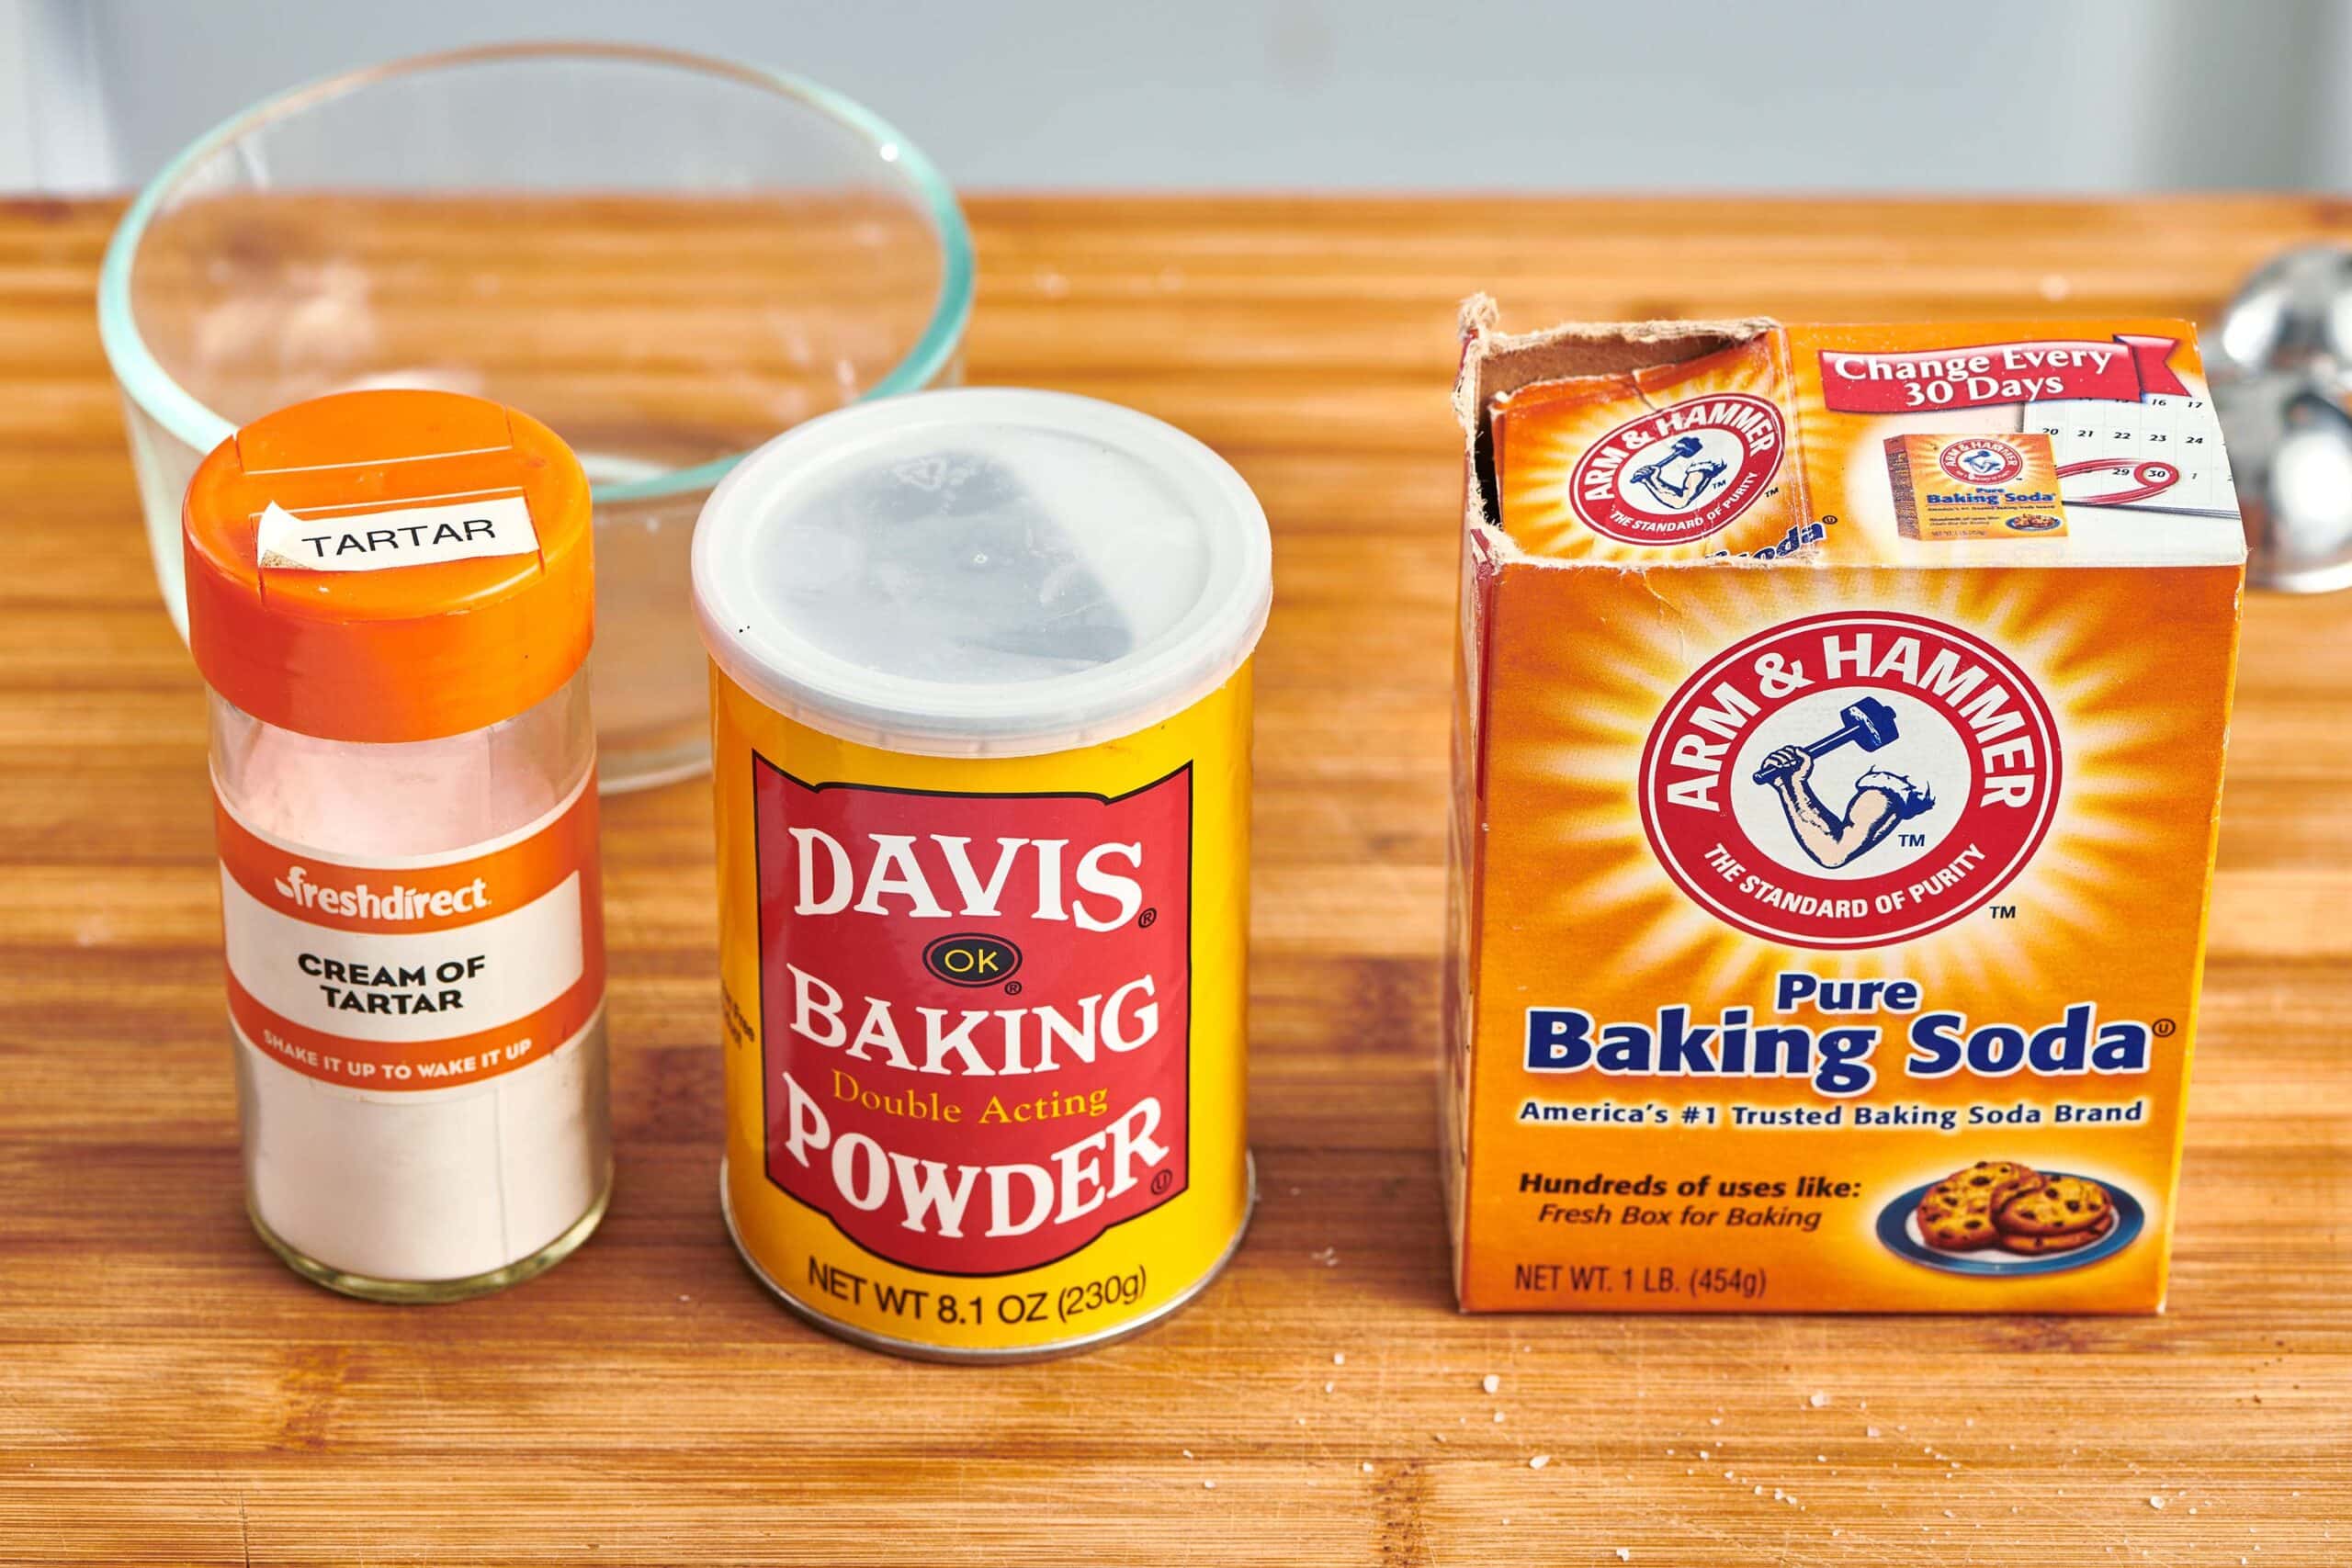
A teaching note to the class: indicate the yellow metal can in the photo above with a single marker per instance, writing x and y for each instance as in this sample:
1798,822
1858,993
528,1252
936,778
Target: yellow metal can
981,719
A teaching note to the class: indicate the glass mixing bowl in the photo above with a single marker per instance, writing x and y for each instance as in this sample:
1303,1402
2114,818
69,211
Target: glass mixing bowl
667,258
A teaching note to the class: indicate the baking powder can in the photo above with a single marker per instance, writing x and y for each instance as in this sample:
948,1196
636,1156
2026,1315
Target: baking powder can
980,690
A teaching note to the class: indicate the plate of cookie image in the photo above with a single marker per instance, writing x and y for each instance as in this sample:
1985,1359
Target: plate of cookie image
2005,1219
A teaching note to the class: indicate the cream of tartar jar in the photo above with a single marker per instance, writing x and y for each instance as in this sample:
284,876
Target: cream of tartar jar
390,598
980,689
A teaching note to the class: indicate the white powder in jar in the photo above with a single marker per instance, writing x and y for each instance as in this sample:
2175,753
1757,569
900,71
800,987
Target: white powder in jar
432,1184
437,1184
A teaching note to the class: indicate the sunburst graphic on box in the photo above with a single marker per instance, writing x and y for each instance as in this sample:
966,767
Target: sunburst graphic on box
1572,849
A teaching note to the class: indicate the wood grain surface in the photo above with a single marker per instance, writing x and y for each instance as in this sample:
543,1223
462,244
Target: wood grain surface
170,1394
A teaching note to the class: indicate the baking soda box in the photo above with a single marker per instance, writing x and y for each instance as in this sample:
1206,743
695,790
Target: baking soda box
1839,742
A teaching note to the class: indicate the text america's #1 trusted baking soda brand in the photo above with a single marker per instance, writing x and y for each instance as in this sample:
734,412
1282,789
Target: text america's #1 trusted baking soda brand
981,719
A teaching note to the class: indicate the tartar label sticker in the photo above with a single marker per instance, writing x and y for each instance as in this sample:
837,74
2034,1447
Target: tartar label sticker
975,1013
407,535
420,974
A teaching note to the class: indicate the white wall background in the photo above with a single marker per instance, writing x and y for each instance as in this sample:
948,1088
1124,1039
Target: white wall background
1687,95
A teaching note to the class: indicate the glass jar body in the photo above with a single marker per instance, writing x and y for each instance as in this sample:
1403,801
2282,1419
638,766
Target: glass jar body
390,1150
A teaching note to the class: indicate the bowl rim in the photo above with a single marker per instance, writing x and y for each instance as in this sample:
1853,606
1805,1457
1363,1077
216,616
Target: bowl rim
152,391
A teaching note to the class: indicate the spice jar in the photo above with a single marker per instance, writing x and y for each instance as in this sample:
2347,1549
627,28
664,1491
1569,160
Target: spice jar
390,598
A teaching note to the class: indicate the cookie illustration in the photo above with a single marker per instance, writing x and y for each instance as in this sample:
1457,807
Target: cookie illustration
2066,1205
1957,1214
1959,1231
2000,1177
2032,1245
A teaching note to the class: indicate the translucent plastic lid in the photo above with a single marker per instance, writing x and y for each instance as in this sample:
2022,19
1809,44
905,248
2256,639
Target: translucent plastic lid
982,572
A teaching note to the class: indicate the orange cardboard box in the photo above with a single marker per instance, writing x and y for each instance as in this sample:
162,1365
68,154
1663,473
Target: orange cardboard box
1828,895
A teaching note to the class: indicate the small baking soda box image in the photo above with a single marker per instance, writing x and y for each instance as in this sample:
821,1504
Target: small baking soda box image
1973,487
1838,741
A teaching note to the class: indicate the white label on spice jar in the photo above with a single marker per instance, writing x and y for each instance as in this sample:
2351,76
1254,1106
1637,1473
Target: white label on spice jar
420,974
407,535
425,986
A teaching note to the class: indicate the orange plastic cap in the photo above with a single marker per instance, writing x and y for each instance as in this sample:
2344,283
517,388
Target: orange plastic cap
388,566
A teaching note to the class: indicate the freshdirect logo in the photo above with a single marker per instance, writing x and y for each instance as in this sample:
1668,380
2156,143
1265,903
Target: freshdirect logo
397,902
1680,473
1850,780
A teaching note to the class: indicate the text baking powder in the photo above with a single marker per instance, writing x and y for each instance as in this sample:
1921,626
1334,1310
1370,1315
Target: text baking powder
980,692
390,596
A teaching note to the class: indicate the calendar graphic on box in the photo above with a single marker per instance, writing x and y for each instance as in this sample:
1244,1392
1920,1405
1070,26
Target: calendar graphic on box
2161,453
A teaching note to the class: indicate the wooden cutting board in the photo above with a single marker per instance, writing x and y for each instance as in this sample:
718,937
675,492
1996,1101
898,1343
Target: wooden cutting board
169,1393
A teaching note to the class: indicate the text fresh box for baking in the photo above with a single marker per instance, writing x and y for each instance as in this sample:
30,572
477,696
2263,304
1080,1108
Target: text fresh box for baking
1837,746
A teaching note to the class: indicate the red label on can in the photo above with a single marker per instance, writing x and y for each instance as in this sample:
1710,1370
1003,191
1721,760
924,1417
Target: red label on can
975,1013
